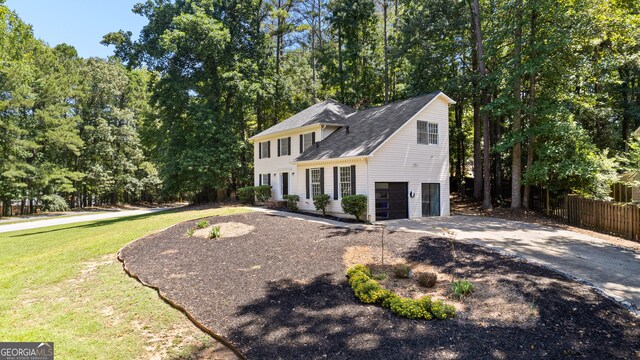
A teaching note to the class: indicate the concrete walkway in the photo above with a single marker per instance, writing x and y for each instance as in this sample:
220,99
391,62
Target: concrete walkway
612,270
35,224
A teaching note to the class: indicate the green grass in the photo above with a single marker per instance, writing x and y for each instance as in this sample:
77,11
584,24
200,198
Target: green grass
64,284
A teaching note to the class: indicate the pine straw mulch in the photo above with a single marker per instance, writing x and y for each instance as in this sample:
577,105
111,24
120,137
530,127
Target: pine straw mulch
280,292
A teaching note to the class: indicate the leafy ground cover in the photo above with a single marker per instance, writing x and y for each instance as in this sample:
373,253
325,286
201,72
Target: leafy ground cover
64,284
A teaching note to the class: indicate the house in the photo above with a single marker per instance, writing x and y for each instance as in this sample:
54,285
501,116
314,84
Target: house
397,155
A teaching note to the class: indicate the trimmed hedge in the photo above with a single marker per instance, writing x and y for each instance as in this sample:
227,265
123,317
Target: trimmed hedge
263,193
321,202
247,195
369,291
292,202
354,205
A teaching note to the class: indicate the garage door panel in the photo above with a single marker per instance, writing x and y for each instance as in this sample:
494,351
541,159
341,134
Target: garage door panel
391,200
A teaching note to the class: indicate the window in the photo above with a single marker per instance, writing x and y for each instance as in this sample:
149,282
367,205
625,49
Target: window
265,179
284,147
345,181
307,141
433,133
264,149
427,133
316,188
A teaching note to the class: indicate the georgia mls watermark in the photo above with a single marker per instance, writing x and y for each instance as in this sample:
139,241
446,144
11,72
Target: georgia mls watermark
26,351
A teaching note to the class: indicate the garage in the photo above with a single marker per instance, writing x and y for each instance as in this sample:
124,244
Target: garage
391,200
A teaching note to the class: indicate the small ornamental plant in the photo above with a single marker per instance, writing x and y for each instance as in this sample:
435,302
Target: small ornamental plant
292,202
321,202
402,271
461,288
427,279
215,233
202,224
369,291
190,232
354,205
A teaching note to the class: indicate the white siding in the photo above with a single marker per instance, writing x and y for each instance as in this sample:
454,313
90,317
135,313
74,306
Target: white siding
334,206
402,159
276,165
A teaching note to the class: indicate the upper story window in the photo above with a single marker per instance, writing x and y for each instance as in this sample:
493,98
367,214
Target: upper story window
427,133
306,140
284,146
265,149
345,181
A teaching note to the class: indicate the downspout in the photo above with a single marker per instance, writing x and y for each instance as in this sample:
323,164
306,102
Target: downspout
366,161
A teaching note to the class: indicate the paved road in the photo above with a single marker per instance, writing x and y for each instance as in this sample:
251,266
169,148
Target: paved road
75,219
611,269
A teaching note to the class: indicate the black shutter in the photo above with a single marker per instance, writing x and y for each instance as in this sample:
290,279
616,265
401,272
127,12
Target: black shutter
289,141
307,183
313,137
268,179
259,150
353,179
335,183
321,180
278,147
260,179
300,143
269,148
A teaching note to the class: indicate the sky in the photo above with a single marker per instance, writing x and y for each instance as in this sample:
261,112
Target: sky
80,23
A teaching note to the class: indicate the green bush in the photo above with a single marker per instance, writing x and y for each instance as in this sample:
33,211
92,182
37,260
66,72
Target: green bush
247,195
190,232
369,291
321,202
215,233
202,224
461,288
427,279
402,271
292,202
54,203
354,205
263,193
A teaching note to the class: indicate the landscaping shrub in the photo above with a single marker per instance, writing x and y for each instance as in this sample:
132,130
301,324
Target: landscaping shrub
54,203
247,195
402,271
202,224
427,279
461,288
215,233
292,202
263,193
369,291
321,202
190,232
354,205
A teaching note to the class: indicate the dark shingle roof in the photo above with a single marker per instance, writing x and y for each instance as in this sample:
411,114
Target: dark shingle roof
368,129
326,112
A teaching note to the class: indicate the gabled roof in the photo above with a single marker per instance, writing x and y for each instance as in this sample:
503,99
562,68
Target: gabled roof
368,129
326,112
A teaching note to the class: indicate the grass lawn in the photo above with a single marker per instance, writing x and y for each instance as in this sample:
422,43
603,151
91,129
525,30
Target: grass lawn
64,284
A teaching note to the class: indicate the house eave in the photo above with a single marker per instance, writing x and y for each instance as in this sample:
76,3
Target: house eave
293,131
343,159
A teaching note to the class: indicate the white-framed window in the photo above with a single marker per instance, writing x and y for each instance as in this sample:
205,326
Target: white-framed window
307,141
316,188
433,133
427,133
345,181
265,179
284,146
264,149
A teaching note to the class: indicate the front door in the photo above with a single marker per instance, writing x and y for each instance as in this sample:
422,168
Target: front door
285,184
430,199
391,200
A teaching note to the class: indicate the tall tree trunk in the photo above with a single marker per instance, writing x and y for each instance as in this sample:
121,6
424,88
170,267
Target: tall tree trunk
386,54
340,65
314,17
484,101
526,201
477,124
624,75
460,159
516,154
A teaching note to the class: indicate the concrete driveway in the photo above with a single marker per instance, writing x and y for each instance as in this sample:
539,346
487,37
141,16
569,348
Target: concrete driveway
35,224
613,270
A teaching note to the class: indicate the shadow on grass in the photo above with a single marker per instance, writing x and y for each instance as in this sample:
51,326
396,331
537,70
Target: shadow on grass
106,222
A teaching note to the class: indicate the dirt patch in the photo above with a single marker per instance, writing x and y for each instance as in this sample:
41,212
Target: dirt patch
227,229
284,294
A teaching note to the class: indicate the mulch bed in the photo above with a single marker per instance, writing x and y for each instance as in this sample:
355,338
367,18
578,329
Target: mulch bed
280,292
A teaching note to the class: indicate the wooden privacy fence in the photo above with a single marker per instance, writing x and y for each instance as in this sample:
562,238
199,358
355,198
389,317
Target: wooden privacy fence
609,217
